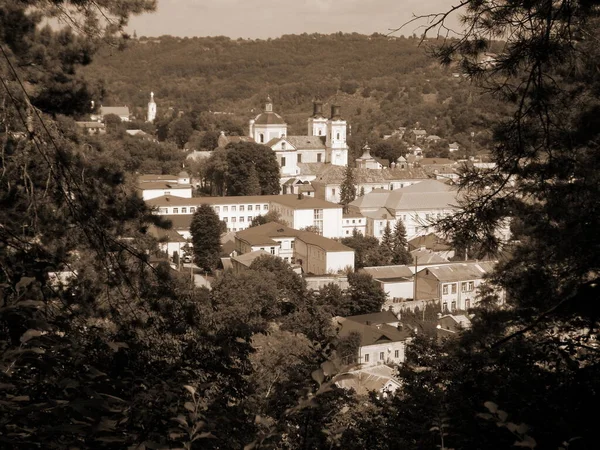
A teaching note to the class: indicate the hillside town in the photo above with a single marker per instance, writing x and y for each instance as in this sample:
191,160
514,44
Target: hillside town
302,232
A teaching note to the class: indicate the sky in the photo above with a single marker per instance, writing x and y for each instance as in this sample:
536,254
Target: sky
273,18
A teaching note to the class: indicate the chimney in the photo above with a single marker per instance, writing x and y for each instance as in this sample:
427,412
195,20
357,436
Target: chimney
335,112
318,109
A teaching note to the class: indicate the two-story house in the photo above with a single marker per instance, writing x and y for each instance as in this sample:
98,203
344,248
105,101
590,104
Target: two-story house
455,286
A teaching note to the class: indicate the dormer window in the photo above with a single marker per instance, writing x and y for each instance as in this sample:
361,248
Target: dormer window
261,138
283,146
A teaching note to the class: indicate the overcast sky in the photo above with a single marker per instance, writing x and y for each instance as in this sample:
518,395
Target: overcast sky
272,18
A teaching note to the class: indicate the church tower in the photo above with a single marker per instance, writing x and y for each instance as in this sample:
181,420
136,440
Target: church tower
151,109
337,149
317,124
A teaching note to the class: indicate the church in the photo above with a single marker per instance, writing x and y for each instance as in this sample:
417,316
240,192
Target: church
324,143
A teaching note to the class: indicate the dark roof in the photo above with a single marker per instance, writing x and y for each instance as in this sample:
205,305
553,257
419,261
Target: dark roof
370,334
305,202
427,257
147,185
430,241
376,318
269,118
307,142
388,272
180,221
163,235
330,174
461,271
247,258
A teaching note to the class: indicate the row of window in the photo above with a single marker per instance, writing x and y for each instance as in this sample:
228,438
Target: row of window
453,306
382,356
241,208
465,286
235,219
353,221
299,158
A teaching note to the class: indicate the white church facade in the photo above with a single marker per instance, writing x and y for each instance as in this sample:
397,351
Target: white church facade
325,141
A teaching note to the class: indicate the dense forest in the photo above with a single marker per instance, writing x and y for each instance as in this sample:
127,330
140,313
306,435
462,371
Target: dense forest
381,82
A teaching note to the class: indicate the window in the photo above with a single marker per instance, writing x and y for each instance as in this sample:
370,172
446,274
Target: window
225,219
283,146
397,354
265,207
233,209
249,218
241,219
193,210
453,306
467,304
233,219
445,307
333,192
283,161
261,138
337,136
183,210
241,208
463,287
167,192
163,210
366,358
453,288
249,207
217,209
272,250
318,220
292,243
257,207
381,356
471,286
319,154
445,289
353,220
299,158
347,231
319,132
225,208
175,210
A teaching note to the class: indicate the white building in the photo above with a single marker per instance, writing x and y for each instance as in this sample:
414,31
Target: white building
396,281
121,111
418,206
455,286
380,343
325,142
154,186
237,212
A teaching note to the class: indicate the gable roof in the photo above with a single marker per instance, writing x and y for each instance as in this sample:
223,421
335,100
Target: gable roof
307,142
430,241
247,258
370,334
330,174
376,318
461,271
163,235
388,272
427,257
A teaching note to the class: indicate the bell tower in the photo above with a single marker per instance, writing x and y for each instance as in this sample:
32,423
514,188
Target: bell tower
151,109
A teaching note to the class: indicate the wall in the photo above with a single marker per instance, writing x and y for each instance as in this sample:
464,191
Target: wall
338,261
427,286
398,289
388,349
351,223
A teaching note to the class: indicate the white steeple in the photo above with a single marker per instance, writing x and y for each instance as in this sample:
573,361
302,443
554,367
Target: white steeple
151,109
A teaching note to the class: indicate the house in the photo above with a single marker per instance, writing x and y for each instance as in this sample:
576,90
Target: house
378,345
238,212
243,262
154,186
169,241
377,318
417,205
432,139
378,379
454,286
453,147
439,168
353,221
316,254
433,243
92,127
417,134
424,256
396,281
450,325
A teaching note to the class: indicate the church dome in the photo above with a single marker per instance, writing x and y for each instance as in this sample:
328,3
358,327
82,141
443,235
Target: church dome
269,118
183,174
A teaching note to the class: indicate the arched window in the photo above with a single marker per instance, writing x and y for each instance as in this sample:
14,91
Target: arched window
319,132
261,138
338,136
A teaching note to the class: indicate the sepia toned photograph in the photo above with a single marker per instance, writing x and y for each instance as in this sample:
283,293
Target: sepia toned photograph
299,225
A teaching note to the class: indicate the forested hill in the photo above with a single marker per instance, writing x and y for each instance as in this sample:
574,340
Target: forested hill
381,82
